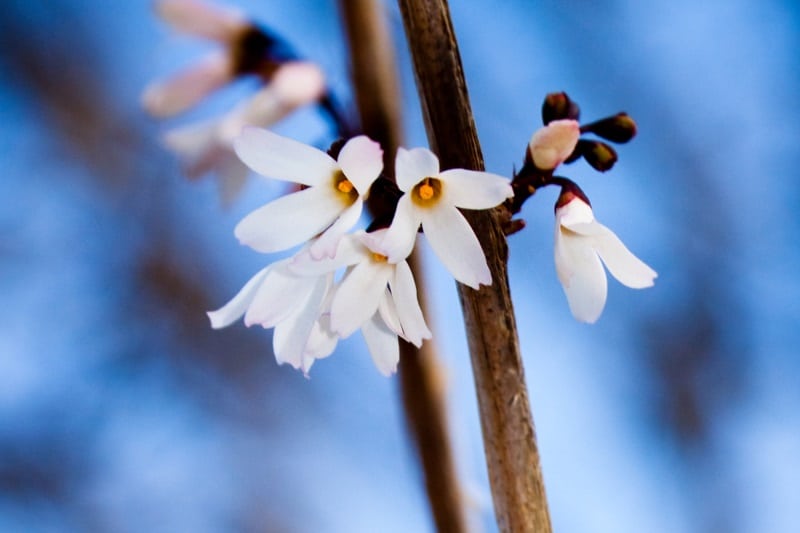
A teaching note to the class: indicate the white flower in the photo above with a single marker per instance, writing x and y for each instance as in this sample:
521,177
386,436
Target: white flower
184,89
551,145
208,146
375,295
580,243
291,303
431,199
332,202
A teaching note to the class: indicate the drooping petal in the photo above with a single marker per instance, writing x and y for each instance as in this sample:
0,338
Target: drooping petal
361,160
289,220
398,241
388,311
325,246
358,295
581,274
279,295
281,158
623,265
202,19
470,189
456,245
321,342
404,293
551,145
234,309
413,165
291,336
382,344
183,90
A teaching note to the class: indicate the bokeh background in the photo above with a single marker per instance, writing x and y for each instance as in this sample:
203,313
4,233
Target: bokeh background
121,410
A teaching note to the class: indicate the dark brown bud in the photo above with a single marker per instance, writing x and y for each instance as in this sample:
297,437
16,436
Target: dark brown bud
257,51
619,129
598,154
558,106
570,191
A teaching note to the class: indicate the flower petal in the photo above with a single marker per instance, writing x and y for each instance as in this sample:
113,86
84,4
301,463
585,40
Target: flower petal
282,158
349,252
279,295
325,246
398,241
413,165
358,295
623,265
234,309
456,245
382,344
202,19
388,311
289,220
551,145
185,89
292,334
581,274
575,215
404,293
470,189
361,160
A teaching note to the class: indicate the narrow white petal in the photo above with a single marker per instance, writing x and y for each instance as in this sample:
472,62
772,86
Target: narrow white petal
456,245
180,92
358,295
575,215
623,265
398,241
325,246
231,311
282,158
470,189
581,275
291,336
382,344
404,293
200,18
411,166
289,220
279,295
322,340
349,252
552,144
388,311
361,160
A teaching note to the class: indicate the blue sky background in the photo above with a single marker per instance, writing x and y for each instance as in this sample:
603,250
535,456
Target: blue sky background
121,410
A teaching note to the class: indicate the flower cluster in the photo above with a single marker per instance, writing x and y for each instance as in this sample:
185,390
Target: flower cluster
302,297
582,245
245,49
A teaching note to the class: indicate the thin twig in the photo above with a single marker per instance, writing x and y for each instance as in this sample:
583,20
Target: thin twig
375,80
509,439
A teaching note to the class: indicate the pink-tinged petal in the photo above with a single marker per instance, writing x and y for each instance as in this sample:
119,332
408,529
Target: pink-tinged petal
581,274
411,166
388,312
470,189
279,296
404,292
456,245
382,344
325,246
398,241
234,309
298,83
289,220
349,252
554,143
185,89
281,158
291,336
361,160
202,19
358,295
623,265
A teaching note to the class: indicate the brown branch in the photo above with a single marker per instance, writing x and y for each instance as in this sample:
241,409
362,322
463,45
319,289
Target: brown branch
509,439
375,80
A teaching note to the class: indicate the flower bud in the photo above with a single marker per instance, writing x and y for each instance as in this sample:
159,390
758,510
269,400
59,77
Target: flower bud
598,154
558,106
619,129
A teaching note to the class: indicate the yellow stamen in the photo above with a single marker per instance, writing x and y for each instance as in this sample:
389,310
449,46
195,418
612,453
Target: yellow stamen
379,258
344,186
426,192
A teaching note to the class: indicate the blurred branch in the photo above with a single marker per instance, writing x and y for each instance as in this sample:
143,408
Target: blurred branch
375,80
509,438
